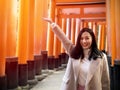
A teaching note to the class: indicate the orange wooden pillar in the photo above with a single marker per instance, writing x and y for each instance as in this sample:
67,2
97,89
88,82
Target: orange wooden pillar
103,34
79,26
113,31
11,28
90,25
73,28
99,36
64,30
85,24
44,27
11,59
3,22
22,44
68,28
38,25
30,45
95,28
117,24
82,24
108,27
50,37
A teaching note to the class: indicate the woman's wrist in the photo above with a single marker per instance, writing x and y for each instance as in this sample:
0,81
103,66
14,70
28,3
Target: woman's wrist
53,24
50,21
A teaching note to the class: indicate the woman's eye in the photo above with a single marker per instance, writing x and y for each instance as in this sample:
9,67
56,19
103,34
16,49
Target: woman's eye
87,38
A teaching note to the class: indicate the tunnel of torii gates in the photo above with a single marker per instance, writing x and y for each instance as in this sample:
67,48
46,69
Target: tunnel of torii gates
25,37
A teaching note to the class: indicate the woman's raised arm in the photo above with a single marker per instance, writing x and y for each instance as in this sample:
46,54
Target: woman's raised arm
67,44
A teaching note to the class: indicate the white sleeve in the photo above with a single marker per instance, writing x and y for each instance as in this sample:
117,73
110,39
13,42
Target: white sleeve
67,44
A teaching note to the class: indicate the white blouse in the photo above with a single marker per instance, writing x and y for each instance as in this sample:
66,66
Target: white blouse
84,68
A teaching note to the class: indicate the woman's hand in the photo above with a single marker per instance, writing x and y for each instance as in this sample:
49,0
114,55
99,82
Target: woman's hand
48,20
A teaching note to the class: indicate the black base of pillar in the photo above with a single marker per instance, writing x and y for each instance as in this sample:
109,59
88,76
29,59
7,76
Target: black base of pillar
38,64
12,72
111,78
31,70
45,60
56,63
3,83
51,62
23,74
60,61
117,75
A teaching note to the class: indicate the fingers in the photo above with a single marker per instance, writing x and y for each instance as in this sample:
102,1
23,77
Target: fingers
47,19
44,18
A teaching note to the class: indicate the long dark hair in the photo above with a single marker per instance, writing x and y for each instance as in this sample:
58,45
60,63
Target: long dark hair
77,51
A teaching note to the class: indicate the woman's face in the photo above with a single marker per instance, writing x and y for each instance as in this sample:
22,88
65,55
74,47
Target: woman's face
86,40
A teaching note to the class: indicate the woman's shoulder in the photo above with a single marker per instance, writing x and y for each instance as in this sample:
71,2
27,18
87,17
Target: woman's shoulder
104,55
104,58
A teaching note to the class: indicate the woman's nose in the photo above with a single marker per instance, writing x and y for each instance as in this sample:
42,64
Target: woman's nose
83,40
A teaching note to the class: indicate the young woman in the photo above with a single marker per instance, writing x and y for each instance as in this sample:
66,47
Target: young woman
87,67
